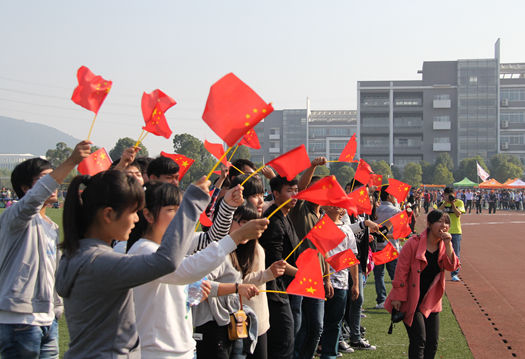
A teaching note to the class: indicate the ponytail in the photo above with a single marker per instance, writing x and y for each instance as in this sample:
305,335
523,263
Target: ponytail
106,189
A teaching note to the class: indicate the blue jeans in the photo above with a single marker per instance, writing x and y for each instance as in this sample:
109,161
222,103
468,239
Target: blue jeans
311,329
296,302
334,311
29,341
456,244
379,276
353,310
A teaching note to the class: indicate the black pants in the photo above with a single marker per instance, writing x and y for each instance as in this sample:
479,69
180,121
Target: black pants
492,207
423,336
281,332
468,206
261,349
214,343
478,207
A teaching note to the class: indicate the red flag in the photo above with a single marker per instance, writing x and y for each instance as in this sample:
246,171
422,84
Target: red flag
154,105
361,199
349,204
233,108
388,254
342,260
325,235
363,171
325,192
91,90
349,151
291,163
184,162
97,162
401,224
251,140
398,189
216,150
375,180
308,280
205,220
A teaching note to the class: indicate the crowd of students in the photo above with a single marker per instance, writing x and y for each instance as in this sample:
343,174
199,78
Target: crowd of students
137,280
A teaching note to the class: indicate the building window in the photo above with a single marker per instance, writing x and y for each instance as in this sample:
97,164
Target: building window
473,80
338,131
441,139
513,94
513,139
374,122
410,121
317,131
374,101
375,141
407,141
513,117
317,146
274,131
441,118
414,101
442,97
337,146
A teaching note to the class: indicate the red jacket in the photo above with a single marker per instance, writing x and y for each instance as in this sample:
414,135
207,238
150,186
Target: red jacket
405,286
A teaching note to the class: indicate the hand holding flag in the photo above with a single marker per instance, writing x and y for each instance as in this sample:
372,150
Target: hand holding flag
97,162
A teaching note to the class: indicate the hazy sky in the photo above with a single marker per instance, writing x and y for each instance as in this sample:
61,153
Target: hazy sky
285,50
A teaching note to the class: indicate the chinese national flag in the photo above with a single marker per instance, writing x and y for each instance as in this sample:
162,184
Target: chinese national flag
154,105
91,90
363,171
251,140
233,108
308,280
388,254
205,220
217,151
349,204
349,151
325,235
325,192
401,224
361,200
342,260
398,189
97,162
291,163
375,180
183,162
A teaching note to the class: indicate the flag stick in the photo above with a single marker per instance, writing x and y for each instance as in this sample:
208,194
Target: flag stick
272,291
139,139
216,164
252,174
236,148
332,161
381,233
238,169
293,250
278,208
353,181
91,128
329,273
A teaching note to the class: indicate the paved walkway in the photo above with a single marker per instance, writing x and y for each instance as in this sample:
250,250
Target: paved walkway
489,302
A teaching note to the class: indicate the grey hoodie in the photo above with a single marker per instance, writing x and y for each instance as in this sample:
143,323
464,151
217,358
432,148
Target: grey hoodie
96,285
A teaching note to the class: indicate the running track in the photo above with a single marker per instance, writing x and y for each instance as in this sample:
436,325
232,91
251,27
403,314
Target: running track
489,302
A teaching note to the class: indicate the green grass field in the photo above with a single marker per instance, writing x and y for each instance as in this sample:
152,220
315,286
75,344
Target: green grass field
452,343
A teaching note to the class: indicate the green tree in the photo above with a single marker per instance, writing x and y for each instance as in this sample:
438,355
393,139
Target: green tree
445,159
321,171
413,174
59,154
442,175
468,168
242,152
397,172
428,172
190,146
124,143
344,174
504,166
382,168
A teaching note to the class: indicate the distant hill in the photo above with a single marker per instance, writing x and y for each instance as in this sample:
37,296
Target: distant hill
20,136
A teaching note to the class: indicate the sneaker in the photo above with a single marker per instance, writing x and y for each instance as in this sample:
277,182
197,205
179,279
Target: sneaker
362,330
362,345
380,305
344,347
455,278
339,355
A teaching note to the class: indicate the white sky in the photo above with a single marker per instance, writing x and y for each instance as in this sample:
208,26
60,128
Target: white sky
285,50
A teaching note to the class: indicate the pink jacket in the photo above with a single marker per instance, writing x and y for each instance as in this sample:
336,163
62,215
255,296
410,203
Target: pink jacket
405,286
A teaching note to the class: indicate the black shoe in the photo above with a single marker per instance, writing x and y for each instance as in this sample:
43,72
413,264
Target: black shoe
362,345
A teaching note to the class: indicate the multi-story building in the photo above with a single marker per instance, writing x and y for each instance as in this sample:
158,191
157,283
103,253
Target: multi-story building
455,108
323,132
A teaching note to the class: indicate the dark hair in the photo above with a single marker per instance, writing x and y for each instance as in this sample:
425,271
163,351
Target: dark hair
242,258
448,190
106,189
26,172
158,195
252,187
435,216
143,163
384,193
277,183
239,163
162,166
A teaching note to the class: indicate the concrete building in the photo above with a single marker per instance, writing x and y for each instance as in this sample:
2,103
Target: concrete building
323,132
9,161
455,108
